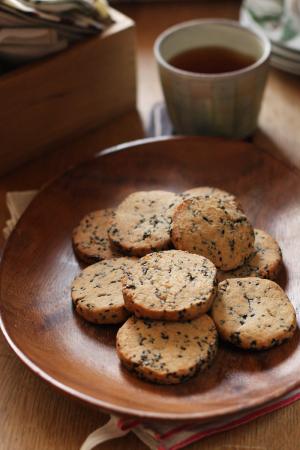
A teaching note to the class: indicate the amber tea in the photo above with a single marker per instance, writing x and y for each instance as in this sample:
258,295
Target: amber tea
211,60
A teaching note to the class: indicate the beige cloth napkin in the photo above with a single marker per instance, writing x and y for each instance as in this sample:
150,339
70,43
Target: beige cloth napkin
16,203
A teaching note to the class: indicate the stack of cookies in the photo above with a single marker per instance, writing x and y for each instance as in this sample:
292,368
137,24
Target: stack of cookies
180,269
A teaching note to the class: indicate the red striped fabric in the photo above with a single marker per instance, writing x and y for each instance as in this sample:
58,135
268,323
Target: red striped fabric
162,437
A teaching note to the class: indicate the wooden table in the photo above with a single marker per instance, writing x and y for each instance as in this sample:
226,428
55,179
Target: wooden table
32,415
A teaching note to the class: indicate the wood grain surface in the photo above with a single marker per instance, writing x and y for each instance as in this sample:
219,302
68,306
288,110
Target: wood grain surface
32,415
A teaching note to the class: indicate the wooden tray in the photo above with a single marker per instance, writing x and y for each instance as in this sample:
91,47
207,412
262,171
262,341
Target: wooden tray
80,359
65,95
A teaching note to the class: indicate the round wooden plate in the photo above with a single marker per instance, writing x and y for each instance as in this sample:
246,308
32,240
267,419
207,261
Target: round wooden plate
79,358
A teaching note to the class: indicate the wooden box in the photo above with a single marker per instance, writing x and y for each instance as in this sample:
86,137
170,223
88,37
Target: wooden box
64,96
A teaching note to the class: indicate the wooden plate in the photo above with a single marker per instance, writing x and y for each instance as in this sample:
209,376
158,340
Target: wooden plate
80,359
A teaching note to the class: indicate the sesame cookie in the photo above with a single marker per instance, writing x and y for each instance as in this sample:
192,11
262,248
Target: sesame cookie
167,352
208,191
253,313
142,222
170,285
97,293
215,229
90,239
265,261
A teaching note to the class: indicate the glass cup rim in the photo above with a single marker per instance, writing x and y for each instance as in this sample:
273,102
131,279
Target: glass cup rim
230,23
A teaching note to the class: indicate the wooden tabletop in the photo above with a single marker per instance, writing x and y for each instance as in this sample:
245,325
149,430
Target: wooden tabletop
32,415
